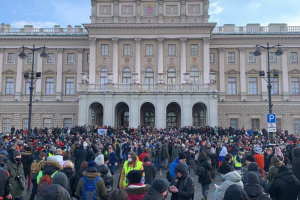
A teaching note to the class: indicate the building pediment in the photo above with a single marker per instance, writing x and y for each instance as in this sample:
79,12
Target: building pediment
69,72
232,71
252,71
49,72
294,71
9,72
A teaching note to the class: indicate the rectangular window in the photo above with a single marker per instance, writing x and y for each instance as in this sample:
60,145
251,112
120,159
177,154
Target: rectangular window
70,58
25,124
29,58
172,49
297,126
253,86
10,86
67,122
88,58
49,86
6,125
11,58
104,49
275,87
231,57
234,123
231,86
194,50
149,49
273,58
295,86
212,57
51,58
47,123
252,58
69,86
126,49
27,86
255,124
294,57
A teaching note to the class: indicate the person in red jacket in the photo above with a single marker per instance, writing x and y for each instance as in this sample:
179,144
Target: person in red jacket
259,159
136,190
143,155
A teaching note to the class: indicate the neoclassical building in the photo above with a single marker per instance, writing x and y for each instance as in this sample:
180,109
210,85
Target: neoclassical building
155,62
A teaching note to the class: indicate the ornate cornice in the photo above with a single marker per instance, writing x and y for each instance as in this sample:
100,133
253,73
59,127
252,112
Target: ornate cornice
253,37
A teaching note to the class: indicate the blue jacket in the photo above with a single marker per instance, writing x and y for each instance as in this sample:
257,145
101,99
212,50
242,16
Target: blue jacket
112,158
173,165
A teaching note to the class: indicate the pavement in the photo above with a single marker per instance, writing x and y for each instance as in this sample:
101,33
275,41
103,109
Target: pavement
162,174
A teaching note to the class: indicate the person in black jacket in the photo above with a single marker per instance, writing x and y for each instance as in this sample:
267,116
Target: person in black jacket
158,190
182,186
27,159
205,162
4,177
150,171
213,157
296,164
80,156
235,192
90,155
157,156
253,189
285,185
268,155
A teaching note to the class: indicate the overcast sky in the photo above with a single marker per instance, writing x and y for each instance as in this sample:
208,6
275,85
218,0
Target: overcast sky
43,13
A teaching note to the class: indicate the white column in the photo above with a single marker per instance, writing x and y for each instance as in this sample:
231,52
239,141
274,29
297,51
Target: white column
183,58
1,68
82,111
221,72
19,78
285,75
92,67
138,58
160,112
160,55
38,84
186,112
115,70
108,110
134,111
213,111
59,74
263,66
243,73
79,68
206,62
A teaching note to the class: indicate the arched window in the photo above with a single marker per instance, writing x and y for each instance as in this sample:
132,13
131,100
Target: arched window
126,75
198,116
125,119
171,119
103,75
194,75
149,118
171,75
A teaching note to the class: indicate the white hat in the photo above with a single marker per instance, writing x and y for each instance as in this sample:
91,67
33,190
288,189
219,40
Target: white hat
99,159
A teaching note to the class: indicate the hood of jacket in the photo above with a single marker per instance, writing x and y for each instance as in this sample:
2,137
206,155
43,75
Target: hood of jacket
153,194
49,167
91,175
182,168
68,171
277,164
56,192
103,169
139,188
61,179
253,189
176,160
297,152
287,176
233,176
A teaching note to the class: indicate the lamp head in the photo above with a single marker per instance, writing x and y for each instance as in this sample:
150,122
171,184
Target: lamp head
257,53
44,55
278,52
276,73
22,55
261,73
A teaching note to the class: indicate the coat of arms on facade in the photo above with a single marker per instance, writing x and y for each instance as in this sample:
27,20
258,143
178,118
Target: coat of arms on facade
149,9
127,60
194,59
149,59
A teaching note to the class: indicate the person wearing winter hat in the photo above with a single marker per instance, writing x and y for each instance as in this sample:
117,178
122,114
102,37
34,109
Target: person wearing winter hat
158,190
104,172
91,174
136,190
61,179
248,160
55,191
180,159
253,167
58,155
182,186
253,188
259,159
150,171
235,192
27,159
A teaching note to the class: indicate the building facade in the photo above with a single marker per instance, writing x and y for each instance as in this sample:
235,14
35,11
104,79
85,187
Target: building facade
154,62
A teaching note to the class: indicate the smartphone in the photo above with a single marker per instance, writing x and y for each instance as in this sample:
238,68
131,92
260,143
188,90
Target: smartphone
216,185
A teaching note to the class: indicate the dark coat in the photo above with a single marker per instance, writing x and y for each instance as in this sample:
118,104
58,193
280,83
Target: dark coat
285,186
184,193
206,179
235,192
150,172
103,170
152,194
113,158
27,159
296,163
158,152
71,175
80,157
165,153
79,175
262,182
89,155
256,190
4,183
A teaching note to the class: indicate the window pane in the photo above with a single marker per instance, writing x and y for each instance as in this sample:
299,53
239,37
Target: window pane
104,49
231,86
10,58
149,50
294,57
194,49
49,86
70,58
25,124
212,57
9,87
295,86
6,125
297,126
253,86
127,49
252,58
103,75
273,58
234,123
51,58
275,89
172,51
69,86
231,57
67,122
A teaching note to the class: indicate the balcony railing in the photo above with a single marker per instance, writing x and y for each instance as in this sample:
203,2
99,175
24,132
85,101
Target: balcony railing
256,29
146,87
43,31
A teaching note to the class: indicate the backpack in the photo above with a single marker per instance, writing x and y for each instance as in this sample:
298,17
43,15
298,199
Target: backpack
45,181
35,169
90,189
168,176
200,171
254,197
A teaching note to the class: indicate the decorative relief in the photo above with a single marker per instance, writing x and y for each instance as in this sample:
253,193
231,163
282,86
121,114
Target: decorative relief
183,39
1,50
194,9
206,40
160,40
127,10
79,51
149,9
172,9
149,59
194,59
221,50
127,60
115,40
105,10
138,40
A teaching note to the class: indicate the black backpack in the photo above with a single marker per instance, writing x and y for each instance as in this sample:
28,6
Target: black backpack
262,196
200,171
168,176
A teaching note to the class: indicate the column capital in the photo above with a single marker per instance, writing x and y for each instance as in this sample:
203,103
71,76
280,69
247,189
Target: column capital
183,39
221,50
59,51
116,2
284,49
206,40
92,41
138,2
242,49
20,50
160,2
1,51
183,2
160,40
138,40
79,51
115,40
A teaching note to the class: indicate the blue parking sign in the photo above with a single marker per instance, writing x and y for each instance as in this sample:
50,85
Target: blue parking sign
271,118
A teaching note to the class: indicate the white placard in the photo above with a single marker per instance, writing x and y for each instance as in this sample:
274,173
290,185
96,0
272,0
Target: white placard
271,125
102,131
271,130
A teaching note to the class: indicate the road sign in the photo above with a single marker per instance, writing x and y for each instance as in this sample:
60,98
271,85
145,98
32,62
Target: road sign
271,118
271,130
271,125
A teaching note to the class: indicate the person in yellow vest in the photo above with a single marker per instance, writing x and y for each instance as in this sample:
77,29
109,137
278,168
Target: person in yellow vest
237,159
132,163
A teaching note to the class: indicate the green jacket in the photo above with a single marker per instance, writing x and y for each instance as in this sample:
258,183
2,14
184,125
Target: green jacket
101,190
14,171
272,173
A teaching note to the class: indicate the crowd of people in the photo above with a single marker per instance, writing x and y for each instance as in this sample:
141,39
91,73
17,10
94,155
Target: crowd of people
79,163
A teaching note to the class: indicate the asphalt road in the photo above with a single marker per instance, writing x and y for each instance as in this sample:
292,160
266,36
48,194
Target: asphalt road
162,174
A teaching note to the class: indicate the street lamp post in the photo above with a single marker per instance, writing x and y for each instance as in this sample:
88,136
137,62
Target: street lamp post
262,72
32,79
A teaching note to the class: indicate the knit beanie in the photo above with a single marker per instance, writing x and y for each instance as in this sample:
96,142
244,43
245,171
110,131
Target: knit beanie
283,168
16,153
160,185
253,178
106,157
146,159
253,167
224,168
92,164
181,156
250,158
28,149
135,176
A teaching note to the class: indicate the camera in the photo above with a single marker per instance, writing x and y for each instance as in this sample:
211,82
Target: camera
21,182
